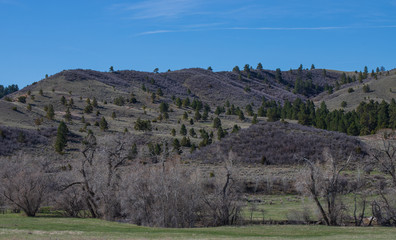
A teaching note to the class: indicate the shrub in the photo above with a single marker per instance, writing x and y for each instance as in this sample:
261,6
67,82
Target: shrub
22,99
366,88
119,101
143,125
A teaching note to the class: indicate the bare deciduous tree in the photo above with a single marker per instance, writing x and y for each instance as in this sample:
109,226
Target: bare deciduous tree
223,202
99,172
325,181
384,156
24,183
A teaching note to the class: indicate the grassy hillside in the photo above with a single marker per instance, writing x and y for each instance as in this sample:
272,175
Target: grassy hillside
16,227
212,88
382,89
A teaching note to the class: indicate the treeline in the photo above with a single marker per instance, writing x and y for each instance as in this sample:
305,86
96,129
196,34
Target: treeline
368,118
7,90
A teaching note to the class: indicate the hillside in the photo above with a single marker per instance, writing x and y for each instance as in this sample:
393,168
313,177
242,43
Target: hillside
383,88
277,143
211,87
142,94
27,108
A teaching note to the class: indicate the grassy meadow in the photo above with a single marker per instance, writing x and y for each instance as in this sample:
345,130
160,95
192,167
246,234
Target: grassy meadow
15,226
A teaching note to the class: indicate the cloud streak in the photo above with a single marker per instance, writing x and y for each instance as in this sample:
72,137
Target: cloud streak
324,28
152,9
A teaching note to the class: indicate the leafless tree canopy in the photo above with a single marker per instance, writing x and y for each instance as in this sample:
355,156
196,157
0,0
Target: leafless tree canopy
325,180
25,183
384,156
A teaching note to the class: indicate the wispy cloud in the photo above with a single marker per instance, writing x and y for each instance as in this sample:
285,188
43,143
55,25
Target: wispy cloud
159,8
287,28
266,29
154,32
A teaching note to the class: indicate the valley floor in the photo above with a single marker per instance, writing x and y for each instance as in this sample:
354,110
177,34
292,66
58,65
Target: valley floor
15,226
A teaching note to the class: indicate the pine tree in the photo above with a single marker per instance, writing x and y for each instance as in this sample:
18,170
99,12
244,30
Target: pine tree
61,137
272,114
68,116
164,107
178,102
176,145
365,73
383,115
88,109
63,100
392,114
254,120
235,129
186,102
192,132
236,69
241,116
216,123
205,115
71,103
246,68
94,103
366,88
185,142
103,124
185,116
352,129
50,112
197,115
278,75
183,130
249,110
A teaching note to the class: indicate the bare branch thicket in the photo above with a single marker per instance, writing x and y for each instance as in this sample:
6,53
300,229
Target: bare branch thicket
98,175
25,183
360,195
162,195
325,181
223,204
384,157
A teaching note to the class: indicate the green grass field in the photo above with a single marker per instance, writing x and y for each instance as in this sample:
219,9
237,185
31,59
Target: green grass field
13,226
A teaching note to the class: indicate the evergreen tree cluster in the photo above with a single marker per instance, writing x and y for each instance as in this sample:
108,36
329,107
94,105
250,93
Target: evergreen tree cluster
7,90
366,119
143,125
306,87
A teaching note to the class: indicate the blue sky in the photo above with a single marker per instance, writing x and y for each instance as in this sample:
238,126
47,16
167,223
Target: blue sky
45,37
